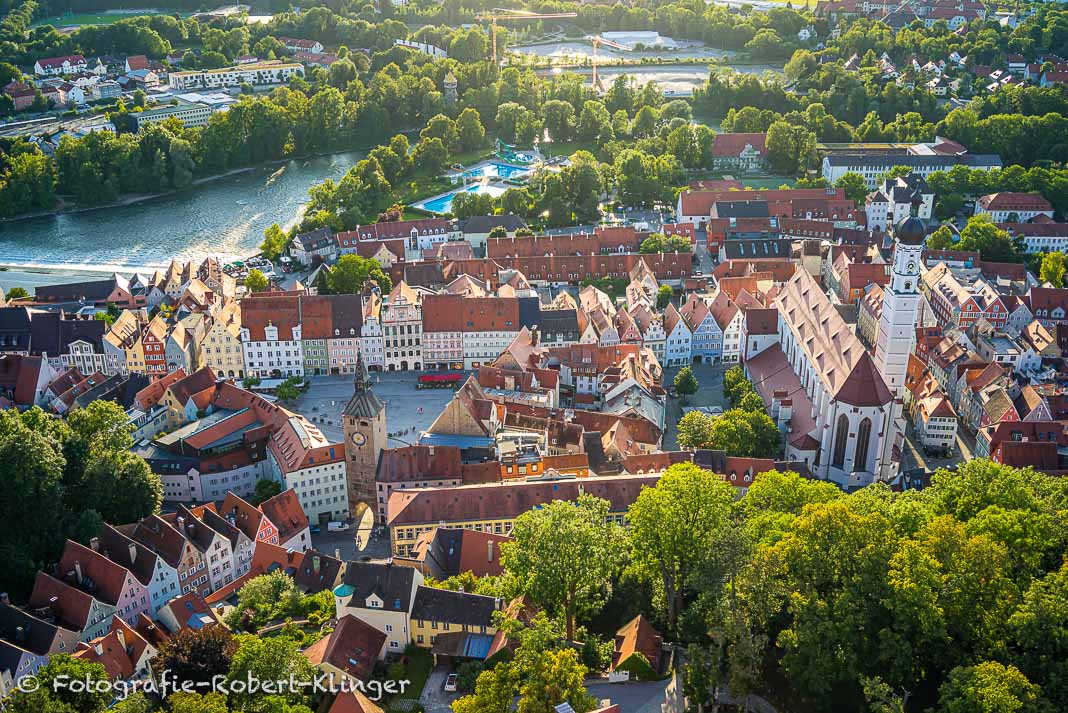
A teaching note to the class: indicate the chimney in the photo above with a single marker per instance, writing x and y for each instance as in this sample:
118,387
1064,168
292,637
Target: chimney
337,553
133,552
94,544
20,634
181,522
78,571
121,635
315,564
99,649
489,551
4,598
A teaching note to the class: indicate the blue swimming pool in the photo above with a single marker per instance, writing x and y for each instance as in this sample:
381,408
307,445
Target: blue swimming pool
443,204
495,169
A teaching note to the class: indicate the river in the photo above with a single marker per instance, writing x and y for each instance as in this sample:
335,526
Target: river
226,217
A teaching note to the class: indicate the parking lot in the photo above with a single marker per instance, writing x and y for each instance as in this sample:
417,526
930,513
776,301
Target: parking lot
408,410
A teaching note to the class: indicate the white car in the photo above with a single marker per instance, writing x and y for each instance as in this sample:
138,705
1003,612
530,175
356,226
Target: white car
450,682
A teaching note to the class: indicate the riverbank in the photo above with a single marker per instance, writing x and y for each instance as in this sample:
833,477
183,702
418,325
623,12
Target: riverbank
223,215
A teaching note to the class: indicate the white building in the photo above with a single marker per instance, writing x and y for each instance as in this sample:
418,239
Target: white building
892,202
271,338
67,64
679,341
901,302
313,467
261,73
1008,207
822,388
189,114
402,326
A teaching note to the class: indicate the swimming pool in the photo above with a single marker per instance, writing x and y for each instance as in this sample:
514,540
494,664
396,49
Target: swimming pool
492,169
443,203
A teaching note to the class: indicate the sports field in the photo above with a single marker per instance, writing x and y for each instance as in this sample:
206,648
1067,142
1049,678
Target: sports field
98,18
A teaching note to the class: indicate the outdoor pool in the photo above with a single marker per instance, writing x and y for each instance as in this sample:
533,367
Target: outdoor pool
443,203
491,169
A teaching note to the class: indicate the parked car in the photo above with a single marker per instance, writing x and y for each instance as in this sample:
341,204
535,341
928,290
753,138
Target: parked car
337,526
450,682
315,529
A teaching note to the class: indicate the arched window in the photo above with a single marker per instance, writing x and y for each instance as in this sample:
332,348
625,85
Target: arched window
860,462
840,435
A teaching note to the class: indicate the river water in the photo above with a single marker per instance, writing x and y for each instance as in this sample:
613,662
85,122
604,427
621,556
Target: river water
226,217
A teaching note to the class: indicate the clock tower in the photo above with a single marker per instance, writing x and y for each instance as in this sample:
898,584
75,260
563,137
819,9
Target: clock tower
364,421
901,302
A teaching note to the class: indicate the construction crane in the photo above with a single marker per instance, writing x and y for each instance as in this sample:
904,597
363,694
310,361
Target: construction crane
597,41
505,15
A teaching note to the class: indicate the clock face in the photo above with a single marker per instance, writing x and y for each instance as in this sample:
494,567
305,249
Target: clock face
358,438
911,266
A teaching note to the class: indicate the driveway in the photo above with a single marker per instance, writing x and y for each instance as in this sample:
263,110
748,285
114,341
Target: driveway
434,698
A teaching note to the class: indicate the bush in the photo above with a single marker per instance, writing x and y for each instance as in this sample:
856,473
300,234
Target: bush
639,667
467,674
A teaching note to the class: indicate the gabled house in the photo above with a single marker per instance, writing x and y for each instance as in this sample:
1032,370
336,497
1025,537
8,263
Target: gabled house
381,594
106,581
679,338
27,642
707,340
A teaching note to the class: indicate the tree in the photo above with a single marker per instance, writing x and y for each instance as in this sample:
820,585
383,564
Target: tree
125,488
557,676
256,281
674,526
470,129
940,239
429,156
352,272
186,702
563,554
495,690
695,430
263,598
791,149
50,696
559,119
269,659
685,382
745,434
274,242
444,128
663,296
1053,267
989,687
854,186
991,242
197,655
265,490
17,293
289,390
516,201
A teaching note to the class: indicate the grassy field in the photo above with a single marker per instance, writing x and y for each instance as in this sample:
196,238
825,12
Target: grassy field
97,18
768,182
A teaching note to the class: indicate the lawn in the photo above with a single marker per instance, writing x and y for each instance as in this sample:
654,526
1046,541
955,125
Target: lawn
768,182
97,18
420,662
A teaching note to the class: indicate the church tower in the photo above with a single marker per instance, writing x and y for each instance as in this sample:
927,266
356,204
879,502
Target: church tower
901,301
364,422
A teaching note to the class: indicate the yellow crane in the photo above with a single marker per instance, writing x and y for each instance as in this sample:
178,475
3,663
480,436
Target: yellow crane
597,41
504,15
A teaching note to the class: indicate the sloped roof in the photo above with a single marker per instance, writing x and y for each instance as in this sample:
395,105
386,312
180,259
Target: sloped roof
352,647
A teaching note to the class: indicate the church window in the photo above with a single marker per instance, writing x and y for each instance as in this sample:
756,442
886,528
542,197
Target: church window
863,436
840,437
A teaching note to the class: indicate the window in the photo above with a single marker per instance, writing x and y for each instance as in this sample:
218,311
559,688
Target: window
841,434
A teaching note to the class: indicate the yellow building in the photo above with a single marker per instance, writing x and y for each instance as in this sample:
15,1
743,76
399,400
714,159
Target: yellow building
452,622
493,507
124,337
220,348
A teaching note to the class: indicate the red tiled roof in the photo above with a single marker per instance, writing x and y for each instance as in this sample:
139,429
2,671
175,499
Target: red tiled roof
638,636
285,513
731,145
1007,200
352,647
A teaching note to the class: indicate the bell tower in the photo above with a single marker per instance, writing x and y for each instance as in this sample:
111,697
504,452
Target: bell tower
901,302
364,423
